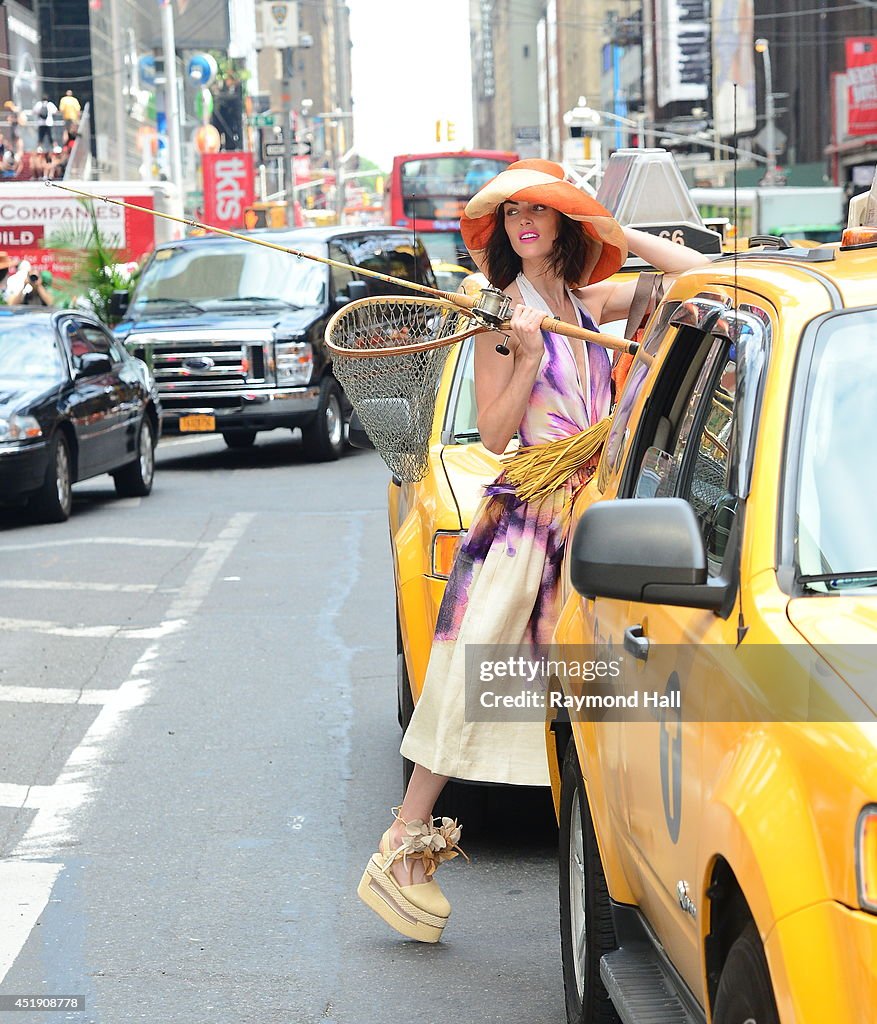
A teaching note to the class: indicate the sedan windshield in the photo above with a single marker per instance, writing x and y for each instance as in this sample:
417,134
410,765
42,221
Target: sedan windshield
837,494
206,275
28,351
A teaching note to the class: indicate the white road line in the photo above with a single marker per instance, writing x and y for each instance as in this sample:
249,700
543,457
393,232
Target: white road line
137,542
64,585
13,795
25,886
165,628
53,695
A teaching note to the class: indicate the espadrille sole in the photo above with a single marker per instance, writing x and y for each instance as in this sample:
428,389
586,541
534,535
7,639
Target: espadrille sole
379,891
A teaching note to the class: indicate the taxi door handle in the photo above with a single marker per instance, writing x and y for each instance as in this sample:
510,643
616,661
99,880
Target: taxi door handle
636,643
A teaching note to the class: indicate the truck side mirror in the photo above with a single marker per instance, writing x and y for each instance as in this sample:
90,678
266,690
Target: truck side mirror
119,302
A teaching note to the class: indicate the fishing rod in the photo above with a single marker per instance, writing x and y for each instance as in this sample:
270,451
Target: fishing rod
491,307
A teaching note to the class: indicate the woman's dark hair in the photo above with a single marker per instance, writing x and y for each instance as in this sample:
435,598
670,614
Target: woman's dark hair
567,260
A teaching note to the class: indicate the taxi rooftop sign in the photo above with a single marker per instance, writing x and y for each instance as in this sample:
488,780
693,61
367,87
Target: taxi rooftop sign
644,189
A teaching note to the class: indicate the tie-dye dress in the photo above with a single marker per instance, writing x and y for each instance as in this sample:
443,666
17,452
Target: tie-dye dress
504,588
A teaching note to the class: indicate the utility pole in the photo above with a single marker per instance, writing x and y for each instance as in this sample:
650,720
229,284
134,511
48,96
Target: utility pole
288,159
171,96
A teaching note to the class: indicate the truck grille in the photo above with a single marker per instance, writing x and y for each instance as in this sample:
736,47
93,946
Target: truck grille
195,361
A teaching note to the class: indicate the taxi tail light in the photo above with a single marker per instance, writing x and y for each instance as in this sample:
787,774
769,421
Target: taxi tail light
444,550
866,858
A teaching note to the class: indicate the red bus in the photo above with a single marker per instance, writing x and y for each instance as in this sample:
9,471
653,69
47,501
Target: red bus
426,192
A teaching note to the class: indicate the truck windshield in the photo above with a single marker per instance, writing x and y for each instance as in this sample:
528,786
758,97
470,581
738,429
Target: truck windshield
837,494
208,274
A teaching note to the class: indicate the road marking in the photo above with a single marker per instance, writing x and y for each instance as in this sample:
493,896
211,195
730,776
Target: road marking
13,795
53,695
165,628
114,588
137,542
25,886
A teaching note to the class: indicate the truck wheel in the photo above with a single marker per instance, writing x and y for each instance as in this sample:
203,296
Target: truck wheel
586,929
53,502
239,438
324,438
745,995
135,479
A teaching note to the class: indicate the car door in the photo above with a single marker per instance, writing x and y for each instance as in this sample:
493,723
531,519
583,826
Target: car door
126,399
94,400
684,448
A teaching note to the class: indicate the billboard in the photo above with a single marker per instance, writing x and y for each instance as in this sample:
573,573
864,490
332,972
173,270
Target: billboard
682,50
862,85
733,47
228,187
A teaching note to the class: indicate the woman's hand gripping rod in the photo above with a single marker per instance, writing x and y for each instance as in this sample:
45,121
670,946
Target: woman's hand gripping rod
491,308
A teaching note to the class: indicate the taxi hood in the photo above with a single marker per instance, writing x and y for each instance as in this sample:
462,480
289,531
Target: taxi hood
842,628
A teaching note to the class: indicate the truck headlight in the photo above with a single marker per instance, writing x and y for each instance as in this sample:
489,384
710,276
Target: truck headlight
19,428
866,858
293,362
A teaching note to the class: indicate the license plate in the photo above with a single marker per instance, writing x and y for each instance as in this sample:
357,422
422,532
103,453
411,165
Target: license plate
197,423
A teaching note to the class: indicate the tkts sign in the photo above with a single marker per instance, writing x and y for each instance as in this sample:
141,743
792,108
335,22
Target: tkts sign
228,187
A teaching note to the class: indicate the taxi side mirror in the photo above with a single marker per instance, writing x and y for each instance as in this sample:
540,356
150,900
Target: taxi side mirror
356,434
644,549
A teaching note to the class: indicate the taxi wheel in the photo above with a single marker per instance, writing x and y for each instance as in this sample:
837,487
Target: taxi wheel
324,438
586,929
745,995
53,502
135,479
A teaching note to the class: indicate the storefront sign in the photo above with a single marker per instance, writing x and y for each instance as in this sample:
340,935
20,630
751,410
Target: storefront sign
862,84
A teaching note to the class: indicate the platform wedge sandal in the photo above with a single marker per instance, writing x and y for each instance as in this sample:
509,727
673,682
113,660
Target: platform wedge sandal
419,911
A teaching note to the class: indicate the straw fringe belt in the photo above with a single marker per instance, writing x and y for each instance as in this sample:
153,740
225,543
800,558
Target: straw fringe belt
539,469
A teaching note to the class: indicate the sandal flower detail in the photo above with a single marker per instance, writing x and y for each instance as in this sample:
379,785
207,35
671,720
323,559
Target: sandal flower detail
419,911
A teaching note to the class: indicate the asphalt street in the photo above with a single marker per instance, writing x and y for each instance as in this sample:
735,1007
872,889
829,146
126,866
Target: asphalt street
199,750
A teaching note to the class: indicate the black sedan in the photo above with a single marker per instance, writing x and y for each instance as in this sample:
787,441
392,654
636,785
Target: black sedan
73,404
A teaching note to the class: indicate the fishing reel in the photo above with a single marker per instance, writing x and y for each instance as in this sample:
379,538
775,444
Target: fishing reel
495,309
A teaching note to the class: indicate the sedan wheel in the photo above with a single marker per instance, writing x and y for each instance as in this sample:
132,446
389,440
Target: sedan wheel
324,438
135,479
53,502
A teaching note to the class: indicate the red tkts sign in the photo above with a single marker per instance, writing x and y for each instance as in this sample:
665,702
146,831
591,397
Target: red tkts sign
862,79
228,187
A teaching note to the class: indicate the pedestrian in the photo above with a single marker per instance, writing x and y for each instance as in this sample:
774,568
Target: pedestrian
37,292
5,268
552,249
44,112
70,110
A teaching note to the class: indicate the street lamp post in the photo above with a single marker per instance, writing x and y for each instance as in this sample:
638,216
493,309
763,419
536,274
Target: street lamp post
772,175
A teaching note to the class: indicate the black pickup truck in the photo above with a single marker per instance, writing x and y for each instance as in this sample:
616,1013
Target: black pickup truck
233,332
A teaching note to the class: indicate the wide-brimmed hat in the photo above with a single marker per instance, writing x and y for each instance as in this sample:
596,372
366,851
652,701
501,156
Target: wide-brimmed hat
541,181
5,260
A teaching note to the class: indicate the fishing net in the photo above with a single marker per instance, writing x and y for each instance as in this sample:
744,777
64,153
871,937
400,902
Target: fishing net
388,353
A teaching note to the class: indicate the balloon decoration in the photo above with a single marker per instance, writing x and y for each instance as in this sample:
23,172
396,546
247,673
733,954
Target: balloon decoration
203,105
207,139
202,68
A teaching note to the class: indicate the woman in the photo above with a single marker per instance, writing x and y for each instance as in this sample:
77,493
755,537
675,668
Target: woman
551,248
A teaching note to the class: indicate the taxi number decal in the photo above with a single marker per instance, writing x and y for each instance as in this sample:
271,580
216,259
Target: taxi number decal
671,758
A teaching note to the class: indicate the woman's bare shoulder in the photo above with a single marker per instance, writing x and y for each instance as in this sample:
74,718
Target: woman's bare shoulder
593,297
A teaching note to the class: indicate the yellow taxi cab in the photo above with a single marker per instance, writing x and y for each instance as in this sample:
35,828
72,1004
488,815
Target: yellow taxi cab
716,780
449,276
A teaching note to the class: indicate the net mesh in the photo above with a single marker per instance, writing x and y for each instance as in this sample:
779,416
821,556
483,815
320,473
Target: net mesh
394,394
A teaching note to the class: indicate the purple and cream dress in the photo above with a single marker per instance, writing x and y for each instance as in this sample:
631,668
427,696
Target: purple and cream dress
504,588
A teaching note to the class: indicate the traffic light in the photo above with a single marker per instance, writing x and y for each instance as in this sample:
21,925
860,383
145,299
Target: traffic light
452,131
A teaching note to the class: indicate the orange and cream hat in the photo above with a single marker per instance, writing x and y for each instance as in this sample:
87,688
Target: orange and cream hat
541,181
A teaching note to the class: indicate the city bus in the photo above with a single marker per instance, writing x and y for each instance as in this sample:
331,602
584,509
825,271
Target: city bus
426,193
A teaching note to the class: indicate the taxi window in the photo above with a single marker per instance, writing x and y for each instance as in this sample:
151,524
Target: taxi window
463,408
613,451
835,540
